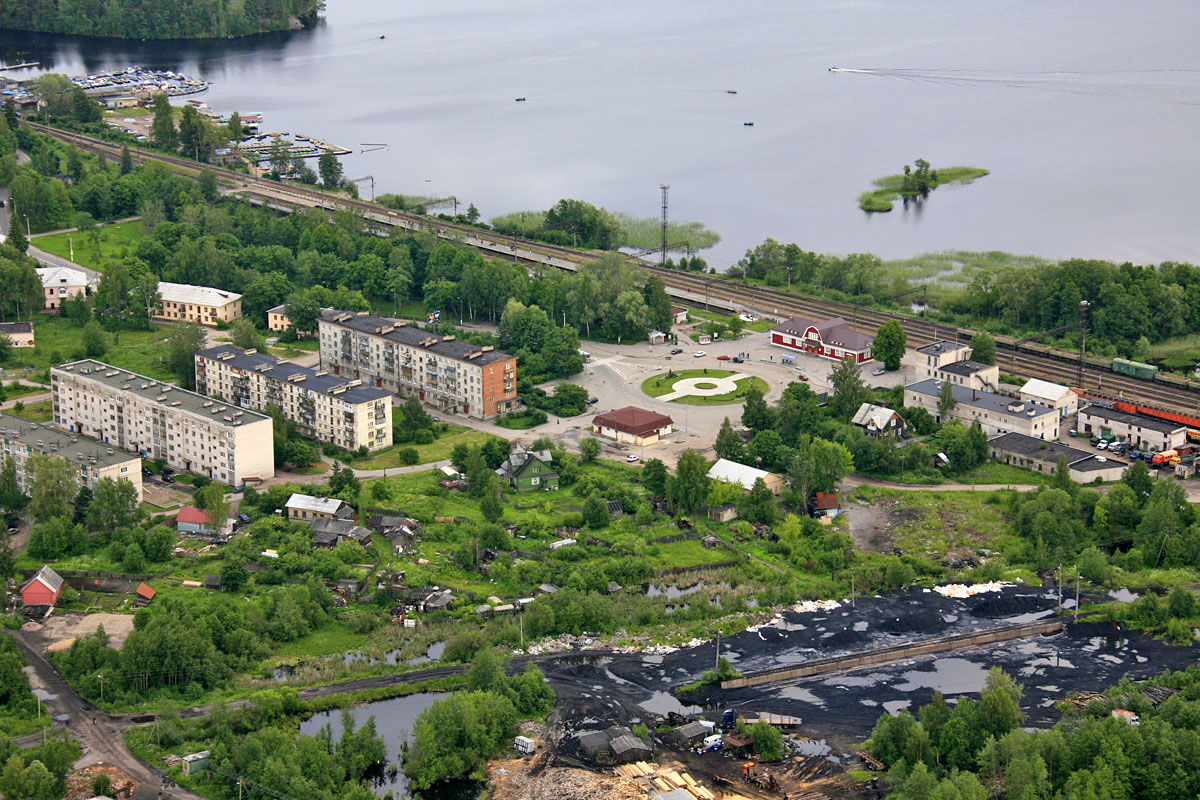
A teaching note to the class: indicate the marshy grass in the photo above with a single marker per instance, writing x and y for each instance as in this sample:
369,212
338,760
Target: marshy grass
890,187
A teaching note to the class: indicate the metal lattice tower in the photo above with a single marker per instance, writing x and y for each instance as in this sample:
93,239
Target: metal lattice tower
662,258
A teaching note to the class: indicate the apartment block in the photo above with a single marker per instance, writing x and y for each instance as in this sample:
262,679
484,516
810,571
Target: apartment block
328,408
181,302
279,321
61,283
995,413
91,462
158,420
445,372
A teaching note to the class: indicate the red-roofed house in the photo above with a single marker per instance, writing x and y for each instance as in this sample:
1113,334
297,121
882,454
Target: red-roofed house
632,425
43,589
144,594
192,520
828,505
833,338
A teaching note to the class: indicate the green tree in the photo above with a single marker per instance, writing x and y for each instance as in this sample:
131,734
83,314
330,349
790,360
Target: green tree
729,445
983,348
234,574
595,512
1181,603
654,478
817,466
691,481
245,335
207,183
756,415
12,501
1000,703
182,344
589,449
302,311
758,505
768,741
126,160
95,340
946,402
490,507
114,505
330,169
162,129
236,133
849,391
211,498
53,487
890,344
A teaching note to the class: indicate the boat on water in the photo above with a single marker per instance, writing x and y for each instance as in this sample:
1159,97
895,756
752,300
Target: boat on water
748,124
731,91
520,100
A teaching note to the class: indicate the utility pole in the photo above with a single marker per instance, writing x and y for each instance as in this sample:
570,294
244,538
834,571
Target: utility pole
717,660
1059,582
662,259
852,590
101,677
1077,593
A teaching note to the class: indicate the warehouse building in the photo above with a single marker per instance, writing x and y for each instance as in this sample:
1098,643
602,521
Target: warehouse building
1042,456
90,462
325,407
995,413
443,371
158,420
1138,430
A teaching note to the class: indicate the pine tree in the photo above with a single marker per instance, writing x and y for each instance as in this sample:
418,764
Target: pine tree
10,116
11,499
16,231
729,444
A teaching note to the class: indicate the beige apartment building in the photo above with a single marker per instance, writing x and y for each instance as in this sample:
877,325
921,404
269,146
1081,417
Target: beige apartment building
90,462
950,362
327,408
995,413
445,372
278,320
158,420
61,283
205,305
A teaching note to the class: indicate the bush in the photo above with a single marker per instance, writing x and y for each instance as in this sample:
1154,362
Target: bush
409,456
423,436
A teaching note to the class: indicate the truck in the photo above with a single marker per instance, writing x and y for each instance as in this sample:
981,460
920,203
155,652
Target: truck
1164,458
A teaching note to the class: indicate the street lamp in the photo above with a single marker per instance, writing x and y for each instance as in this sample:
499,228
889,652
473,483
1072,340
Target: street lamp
27,233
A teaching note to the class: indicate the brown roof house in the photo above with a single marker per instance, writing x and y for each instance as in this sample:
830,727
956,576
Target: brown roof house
632,425
831,338
878,420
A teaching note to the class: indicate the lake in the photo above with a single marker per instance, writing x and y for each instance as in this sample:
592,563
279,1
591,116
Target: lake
1085,113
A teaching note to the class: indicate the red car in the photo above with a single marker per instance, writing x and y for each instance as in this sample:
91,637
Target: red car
722,358
802,376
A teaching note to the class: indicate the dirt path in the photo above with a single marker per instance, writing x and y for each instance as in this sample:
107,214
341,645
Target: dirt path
860,480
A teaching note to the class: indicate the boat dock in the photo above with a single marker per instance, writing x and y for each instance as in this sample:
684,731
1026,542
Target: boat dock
258,148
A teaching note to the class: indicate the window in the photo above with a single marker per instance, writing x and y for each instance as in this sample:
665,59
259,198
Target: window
535,481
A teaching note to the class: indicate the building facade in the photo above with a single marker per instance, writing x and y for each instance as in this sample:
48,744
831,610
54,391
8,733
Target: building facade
306,508
878,420
1141,432
19,333
1041,456
445,372
327,408
528,470
158,420
278,320
950,362
632,425
1059,397
90,462
995,413
181,302
61,283
831,338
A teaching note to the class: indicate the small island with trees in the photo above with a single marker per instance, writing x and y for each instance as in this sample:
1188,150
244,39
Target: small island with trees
916,181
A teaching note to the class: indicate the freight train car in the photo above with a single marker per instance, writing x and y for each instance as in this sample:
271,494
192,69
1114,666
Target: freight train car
1135,368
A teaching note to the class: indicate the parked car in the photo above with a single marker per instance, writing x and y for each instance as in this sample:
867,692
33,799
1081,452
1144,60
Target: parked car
676,351
1072,433
698,354
632,457
722,358
802,376
168,479
593,400
1102,446
878,372
166,471
147,472
1096,440
737,359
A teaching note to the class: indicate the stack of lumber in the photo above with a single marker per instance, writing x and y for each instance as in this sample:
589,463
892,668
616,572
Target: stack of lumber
638,769
659,781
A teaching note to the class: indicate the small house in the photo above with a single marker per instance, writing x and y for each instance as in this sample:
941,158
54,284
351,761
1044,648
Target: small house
342,529
612,588
19,333
326,540
615,508
192,520
351,587
632,425
195,763
657,337
528,470
689,734
1127,716
710,542
438,601
212,582
546,588
143,595
43,589
732,471
305,508
627,747
827,505
878,420
722,513
679,315
593,744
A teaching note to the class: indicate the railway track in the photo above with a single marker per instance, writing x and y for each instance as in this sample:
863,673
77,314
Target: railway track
1029,359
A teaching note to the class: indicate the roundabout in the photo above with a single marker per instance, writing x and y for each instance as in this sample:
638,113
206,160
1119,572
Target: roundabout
702,387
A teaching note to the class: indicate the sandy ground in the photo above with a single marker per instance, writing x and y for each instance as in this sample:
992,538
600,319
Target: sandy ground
870,526
163,497
58,632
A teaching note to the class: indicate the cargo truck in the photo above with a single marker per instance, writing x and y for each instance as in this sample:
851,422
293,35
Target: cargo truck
1164,458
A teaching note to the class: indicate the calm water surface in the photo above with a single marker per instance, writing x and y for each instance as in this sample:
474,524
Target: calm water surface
1086,112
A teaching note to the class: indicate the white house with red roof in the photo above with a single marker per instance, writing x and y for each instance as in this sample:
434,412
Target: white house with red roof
831,338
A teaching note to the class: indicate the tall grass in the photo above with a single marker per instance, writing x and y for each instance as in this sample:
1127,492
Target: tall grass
646,232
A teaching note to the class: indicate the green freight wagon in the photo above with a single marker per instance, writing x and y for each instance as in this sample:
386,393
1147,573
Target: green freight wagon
1135,368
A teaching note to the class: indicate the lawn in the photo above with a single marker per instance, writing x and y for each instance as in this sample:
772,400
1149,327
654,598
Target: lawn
428,453
40,411
658,385
12,391
995,472
59,341
759,325
97,248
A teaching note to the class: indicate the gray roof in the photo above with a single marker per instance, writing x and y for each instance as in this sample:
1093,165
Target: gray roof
346,528
399,331
44,440
691,730
592,741
151,390
1032,447
351,391
964,368
943,346
16,327
627,742
1136,420
49,577
986,401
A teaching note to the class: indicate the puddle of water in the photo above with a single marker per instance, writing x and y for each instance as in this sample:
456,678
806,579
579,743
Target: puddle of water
1124,595
869,703
855,681
949,676
663,703
671,591
803,695
862,625
950,617
673,609
811,747
894,707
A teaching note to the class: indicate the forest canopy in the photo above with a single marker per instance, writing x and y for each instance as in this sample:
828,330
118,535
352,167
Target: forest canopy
153,19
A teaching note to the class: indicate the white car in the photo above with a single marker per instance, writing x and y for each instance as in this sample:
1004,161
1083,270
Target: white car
698,354
631,458
747,318
1102,446
878,372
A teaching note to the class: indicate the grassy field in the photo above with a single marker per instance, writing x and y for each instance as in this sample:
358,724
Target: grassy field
658,385
108,243
438,451
1175,354
758,325
888,187
59,341
40,411
929,524
14,390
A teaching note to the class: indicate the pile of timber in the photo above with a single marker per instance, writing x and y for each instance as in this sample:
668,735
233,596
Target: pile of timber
658,780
